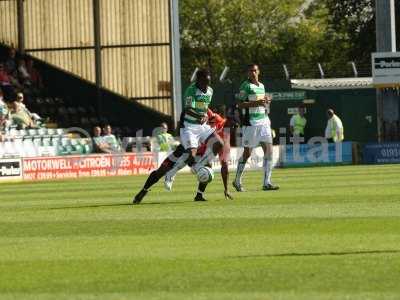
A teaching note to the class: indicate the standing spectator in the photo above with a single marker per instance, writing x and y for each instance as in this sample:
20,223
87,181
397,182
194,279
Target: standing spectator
164,139
334,131
297,124
110,139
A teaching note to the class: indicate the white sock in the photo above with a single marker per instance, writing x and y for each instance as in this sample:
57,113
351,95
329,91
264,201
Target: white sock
239,172
268,166
207,157
180,163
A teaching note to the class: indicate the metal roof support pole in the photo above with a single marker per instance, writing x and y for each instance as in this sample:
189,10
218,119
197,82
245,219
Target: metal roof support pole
21,24
97,54
176,61
387,101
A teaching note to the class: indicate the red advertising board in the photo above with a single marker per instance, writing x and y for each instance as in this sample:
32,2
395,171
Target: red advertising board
45,168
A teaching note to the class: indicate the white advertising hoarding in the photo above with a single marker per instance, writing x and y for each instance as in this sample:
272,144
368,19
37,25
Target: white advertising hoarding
386,69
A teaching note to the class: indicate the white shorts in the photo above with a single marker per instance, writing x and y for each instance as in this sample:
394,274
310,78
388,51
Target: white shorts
252,136
192,135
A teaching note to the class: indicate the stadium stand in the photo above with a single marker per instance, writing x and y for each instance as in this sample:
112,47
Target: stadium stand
62,126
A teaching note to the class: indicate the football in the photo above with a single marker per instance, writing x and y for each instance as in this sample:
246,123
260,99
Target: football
205,175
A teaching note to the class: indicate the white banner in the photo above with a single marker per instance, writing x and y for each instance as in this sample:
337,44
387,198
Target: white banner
386,69
10,169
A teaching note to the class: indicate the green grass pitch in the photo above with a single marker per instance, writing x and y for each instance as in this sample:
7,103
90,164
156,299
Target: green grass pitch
329,233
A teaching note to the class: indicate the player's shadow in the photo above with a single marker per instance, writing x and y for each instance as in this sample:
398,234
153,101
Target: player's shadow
366,252
114,205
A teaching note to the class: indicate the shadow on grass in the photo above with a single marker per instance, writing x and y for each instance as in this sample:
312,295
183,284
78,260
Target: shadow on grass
319,254
115,205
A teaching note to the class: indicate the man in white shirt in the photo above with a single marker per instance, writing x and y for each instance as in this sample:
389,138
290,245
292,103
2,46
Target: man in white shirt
334,132
20,100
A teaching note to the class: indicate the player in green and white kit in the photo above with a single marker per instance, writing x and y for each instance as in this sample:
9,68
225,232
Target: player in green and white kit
195,130
256,126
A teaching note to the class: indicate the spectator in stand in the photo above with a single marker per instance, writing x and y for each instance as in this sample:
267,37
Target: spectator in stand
10,63
3,121
164,139
4,111
4,117
23,73
36,78
2,103
99,144
20,100
5,83
20,117
110,139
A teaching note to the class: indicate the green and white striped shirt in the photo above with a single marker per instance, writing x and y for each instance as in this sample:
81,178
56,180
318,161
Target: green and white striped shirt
197,101
251,92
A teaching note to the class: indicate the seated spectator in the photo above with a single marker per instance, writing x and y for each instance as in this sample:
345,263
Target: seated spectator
164,139
34,74
4,77
2,103
6,83
34,116
4,122
10,63
3,106
20,117
99,144
110,139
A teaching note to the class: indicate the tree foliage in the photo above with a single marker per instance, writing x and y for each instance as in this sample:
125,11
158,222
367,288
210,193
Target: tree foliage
235,32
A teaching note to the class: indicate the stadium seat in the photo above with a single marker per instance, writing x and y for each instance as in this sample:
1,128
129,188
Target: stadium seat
19,146
65,141
60,131
42,131
72,110
47,142
56,140
79,149
51,131
37,141
22,132
14,132
33,131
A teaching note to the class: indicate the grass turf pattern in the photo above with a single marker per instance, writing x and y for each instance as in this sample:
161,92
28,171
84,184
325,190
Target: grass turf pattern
329,233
